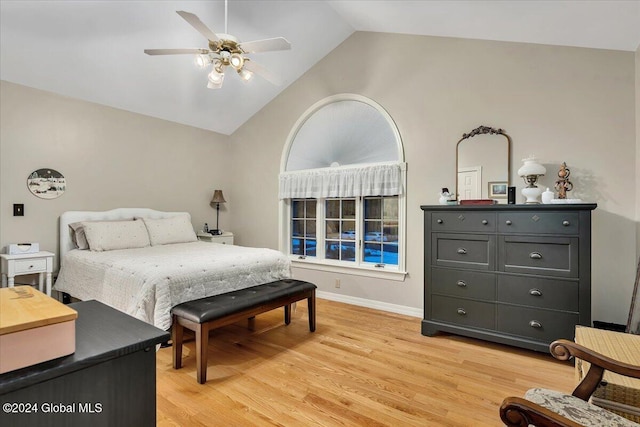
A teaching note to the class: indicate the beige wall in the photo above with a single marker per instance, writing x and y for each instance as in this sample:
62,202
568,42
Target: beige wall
559,103
110,158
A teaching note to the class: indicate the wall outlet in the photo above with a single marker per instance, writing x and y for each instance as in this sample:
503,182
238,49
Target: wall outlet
337,283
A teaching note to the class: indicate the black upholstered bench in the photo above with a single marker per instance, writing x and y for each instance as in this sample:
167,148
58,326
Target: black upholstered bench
205,314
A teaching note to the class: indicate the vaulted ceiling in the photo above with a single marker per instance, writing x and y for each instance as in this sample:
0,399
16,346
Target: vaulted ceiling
93,50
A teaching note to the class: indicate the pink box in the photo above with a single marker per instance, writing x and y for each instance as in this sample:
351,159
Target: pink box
34,328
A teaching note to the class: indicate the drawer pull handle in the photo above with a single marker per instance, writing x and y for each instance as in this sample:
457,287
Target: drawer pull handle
535,292
462,312
485,222
565,223
462,251
535,255
461,283
30,267
535,324
508,222
439,221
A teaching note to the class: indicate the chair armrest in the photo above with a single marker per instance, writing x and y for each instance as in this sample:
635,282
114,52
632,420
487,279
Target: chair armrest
564,349
518,412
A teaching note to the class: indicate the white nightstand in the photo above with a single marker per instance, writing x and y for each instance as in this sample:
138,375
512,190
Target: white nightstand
226,238
21,264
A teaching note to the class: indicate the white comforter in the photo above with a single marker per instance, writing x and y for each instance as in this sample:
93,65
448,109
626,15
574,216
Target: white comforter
147,282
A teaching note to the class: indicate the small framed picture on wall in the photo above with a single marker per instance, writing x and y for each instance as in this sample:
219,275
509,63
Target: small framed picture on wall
498,190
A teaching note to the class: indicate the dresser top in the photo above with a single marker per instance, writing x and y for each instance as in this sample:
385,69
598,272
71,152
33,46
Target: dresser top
523,207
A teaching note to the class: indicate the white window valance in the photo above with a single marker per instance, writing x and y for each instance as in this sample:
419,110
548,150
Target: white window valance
346,181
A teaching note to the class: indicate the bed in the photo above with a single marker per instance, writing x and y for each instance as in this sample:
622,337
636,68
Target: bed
147,281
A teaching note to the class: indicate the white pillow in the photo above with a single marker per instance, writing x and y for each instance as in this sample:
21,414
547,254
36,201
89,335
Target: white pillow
77,235
111,235
176,229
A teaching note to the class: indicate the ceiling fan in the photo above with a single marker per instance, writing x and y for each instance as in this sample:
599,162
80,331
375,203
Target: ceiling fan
225,51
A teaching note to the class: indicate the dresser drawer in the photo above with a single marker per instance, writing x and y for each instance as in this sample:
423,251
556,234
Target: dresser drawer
463,283
463,312
464,221
33,265
555,294
463,251
539,222
538,324
550,256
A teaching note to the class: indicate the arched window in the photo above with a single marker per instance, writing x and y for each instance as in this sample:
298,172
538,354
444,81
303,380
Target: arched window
342,189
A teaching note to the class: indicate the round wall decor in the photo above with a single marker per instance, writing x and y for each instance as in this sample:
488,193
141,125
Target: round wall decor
46,183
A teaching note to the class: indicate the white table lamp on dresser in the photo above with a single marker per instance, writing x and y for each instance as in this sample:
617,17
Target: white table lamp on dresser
28,263
530,171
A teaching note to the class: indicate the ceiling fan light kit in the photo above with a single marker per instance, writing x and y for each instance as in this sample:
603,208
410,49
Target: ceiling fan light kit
216,77
202,61
245,74
226,51
236,60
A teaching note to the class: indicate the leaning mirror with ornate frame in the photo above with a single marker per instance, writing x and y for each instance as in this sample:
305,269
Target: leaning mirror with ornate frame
483,164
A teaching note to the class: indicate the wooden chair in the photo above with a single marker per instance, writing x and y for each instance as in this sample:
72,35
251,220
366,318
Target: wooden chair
541,407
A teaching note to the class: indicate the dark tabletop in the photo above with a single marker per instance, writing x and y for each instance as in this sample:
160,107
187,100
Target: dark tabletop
102,333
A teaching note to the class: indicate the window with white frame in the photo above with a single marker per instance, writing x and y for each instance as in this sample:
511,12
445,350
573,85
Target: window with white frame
303,227
342,187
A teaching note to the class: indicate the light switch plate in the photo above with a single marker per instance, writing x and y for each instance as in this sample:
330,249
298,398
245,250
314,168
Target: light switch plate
18,209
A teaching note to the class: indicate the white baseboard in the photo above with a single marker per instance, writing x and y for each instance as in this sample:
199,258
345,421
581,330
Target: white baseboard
378,305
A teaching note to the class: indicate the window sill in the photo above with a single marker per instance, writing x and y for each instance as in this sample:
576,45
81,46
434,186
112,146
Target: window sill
379,273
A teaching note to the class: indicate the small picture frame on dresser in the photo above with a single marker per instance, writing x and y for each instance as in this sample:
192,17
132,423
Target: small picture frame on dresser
498,190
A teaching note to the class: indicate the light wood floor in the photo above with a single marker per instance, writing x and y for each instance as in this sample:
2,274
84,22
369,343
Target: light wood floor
361,367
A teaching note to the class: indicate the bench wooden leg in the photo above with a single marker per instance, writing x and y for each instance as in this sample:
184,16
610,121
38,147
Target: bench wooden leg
177,333
251,323
287,314
202,345
312,311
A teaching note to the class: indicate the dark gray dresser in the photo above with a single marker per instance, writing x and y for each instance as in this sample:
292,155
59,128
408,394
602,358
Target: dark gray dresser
512,274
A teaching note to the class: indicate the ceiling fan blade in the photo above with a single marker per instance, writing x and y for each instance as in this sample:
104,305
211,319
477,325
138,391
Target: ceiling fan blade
277,43
196,23
262,72
176,51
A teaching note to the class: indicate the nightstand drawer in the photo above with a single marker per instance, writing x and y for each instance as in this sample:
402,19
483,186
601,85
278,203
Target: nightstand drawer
550,256
35,265
468,251
225,238
543,325
537,292
463,283
464,312
465,222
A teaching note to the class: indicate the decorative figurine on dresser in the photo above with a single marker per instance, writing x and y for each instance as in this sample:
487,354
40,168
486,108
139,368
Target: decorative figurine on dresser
513,274
563,184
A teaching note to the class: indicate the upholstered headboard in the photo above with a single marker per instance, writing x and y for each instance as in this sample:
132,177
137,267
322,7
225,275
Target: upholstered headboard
121,213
